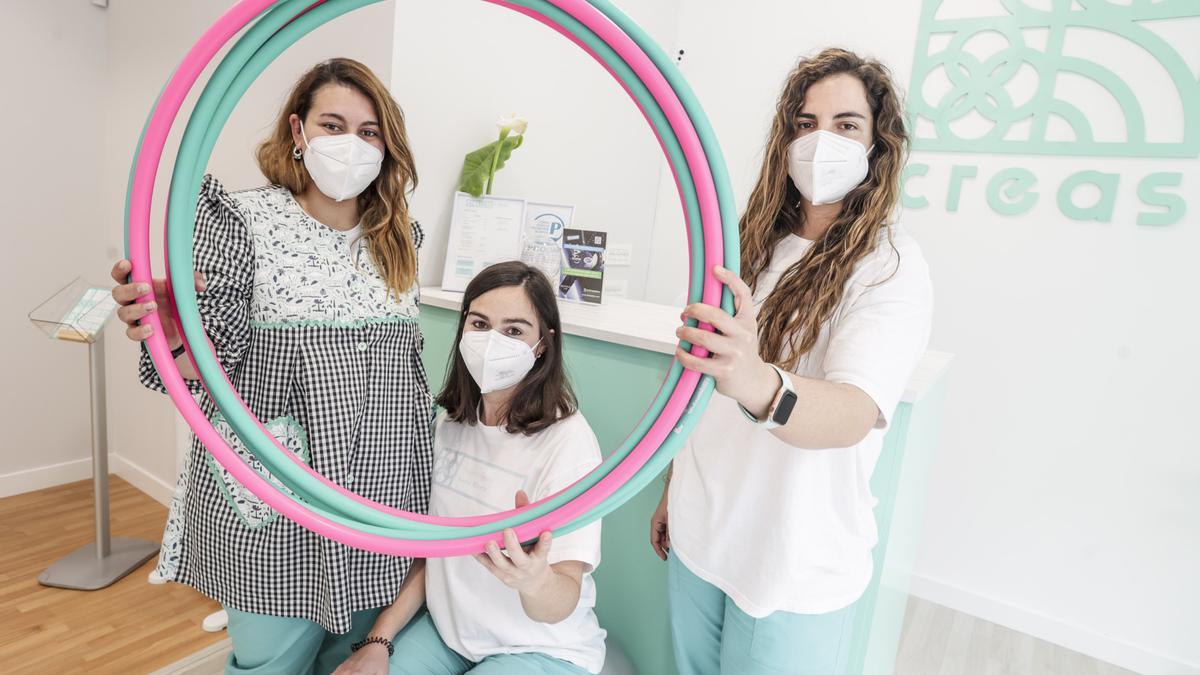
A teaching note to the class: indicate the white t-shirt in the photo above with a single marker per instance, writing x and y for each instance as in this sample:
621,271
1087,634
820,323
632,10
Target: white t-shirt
780,528
478,469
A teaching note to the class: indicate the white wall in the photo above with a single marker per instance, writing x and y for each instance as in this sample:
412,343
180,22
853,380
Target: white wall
85,78
49,189
461,64
1064,497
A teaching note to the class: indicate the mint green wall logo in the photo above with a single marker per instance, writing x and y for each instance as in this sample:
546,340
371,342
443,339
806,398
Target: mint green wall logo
980,84
991,84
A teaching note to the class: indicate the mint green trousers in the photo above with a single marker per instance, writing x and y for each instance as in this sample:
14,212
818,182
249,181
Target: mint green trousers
279,645
712,636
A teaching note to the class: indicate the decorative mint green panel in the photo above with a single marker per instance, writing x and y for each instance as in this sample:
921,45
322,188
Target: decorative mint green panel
979,83
900,483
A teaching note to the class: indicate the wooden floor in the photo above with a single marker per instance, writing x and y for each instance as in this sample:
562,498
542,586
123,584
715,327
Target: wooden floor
129,627
937,640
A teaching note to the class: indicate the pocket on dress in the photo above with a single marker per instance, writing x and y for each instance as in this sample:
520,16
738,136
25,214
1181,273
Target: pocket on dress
250,510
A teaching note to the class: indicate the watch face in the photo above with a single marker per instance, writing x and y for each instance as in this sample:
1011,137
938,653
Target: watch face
783,411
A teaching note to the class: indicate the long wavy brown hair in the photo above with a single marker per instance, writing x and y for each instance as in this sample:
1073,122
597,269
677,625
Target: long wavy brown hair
806,295
384,205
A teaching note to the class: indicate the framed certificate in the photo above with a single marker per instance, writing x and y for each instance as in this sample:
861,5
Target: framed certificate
483,231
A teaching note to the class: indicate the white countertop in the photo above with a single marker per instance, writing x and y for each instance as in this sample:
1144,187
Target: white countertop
649,326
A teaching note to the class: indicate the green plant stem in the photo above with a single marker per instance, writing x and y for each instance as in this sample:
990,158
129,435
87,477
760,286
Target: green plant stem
495,161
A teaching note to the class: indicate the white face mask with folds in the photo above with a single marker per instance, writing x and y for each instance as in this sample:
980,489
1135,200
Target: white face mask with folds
342,165
825,167
495,361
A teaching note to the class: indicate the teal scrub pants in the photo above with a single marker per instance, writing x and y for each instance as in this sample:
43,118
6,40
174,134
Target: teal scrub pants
713,637
421,651
279,645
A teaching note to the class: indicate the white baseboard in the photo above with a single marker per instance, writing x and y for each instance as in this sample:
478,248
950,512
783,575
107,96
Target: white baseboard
1078,638
19,482
208,661
41,477
142,479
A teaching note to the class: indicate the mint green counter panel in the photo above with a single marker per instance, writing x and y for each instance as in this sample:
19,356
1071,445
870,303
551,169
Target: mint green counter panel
900,483
615,384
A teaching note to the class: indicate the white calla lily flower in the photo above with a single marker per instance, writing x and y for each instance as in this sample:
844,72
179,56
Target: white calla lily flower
513,124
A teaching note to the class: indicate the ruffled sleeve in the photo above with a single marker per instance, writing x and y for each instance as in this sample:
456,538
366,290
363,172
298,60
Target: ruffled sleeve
224,254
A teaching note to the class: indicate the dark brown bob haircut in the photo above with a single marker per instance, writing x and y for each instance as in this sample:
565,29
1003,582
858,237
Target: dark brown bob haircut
545,395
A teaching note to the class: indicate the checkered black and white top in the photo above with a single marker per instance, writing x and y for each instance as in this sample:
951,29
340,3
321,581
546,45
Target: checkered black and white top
330,362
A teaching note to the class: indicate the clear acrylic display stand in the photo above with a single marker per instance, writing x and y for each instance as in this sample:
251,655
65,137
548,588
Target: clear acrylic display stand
77,313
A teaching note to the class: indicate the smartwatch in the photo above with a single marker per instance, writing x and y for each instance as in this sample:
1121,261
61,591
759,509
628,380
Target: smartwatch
781,407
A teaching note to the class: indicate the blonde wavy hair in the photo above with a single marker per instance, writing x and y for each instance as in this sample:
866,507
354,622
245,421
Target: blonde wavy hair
807,294
384,205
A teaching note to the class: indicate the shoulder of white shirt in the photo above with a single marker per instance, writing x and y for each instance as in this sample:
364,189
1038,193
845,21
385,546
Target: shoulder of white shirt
574,422
573,432
899,257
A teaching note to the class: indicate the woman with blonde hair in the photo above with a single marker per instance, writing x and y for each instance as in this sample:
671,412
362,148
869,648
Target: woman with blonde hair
308,293
767,519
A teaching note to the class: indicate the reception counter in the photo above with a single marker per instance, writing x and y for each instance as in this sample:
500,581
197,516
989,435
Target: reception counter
617,355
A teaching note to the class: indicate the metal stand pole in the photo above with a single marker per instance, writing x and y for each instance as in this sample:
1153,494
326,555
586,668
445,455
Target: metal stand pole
107,559
99,446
